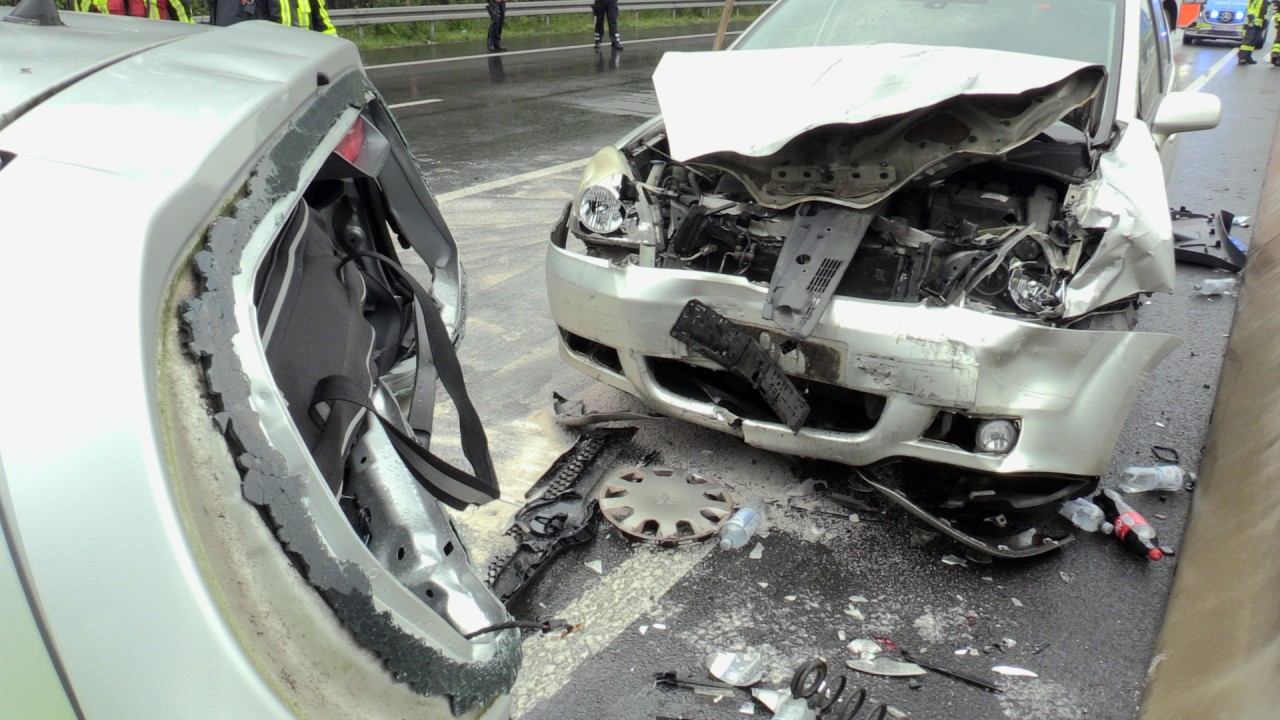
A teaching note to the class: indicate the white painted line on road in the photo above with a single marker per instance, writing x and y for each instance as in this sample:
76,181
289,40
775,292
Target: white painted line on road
512,180
606,607
413,103
1201,81
536,51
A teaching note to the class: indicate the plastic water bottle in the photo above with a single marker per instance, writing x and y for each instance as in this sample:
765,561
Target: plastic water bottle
744,523
1134,532
1145,478
1217,286
1083,514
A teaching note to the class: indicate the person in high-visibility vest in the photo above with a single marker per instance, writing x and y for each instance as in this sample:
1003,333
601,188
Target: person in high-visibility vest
1254,32
311,14
154,9
1275,20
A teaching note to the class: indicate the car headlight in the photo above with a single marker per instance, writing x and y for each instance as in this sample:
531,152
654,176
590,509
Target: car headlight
1213,14
610,207
600,205
1032,291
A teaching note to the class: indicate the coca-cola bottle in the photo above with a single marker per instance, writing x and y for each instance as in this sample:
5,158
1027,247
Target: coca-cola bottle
1134,532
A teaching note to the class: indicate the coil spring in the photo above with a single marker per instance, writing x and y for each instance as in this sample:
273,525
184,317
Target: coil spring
836,700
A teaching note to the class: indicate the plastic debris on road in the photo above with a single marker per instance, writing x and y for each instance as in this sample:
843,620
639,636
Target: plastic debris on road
770,699
920,538
757,552
741,669
886,644
953,560
865,648
885,667
814,534
595,566
1013,671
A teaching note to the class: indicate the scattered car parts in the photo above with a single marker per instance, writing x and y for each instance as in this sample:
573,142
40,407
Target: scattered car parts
666,505
564,514
838,700
1206,240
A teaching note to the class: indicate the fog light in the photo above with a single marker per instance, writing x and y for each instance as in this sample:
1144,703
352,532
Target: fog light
997,436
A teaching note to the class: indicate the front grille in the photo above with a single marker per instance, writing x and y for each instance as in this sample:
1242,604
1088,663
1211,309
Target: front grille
831,407
826,273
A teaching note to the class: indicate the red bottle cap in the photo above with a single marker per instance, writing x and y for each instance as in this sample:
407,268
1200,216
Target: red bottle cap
1154,555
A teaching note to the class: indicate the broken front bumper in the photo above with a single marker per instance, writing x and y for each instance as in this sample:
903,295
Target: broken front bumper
1069,391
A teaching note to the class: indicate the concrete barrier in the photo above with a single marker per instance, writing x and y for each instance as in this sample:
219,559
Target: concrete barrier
1218,654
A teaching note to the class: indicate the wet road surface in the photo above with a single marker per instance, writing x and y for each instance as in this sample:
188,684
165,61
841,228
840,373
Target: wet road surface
503,148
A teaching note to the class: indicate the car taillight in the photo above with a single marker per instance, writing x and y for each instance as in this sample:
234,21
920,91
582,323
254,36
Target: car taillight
352,144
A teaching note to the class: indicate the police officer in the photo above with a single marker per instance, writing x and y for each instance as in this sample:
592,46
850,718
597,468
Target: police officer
497,18
1254,32
609,9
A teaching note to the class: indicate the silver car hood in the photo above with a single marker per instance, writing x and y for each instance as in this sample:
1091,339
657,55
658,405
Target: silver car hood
853,124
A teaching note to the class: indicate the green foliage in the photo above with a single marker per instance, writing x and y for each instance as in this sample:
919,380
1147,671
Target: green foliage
395,34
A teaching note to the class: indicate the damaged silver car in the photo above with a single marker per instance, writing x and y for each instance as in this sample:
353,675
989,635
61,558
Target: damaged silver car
219,498
900,235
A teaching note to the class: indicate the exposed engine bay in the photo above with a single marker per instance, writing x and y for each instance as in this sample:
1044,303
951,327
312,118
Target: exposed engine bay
935,250
998,236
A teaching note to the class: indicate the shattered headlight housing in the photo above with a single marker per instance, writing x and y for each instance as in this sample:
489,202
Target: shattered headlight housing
609,207
1034,291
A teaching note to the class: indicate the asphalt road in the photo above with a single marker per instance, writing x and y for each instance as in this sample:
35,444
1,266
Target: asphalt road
502,140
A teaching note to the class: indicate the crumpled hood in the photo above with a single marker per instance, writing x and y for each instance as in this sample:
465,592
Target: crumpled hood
862,120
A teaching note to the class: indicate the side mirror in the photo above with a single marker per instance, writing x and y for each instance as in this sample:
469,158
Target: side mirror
1187,111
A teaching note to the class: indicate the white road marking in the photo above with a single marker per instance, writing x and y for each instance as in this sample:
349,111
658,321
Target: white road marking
535,51
1201,81
413,103
512,180
607,607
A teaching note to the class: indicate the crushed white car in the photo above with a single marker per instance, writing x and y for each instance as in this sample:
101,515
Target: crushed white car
919,259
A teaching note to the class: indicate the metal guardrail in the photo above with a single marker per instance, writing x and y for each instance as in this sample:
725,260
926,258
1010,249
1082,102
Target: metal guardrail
476,11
